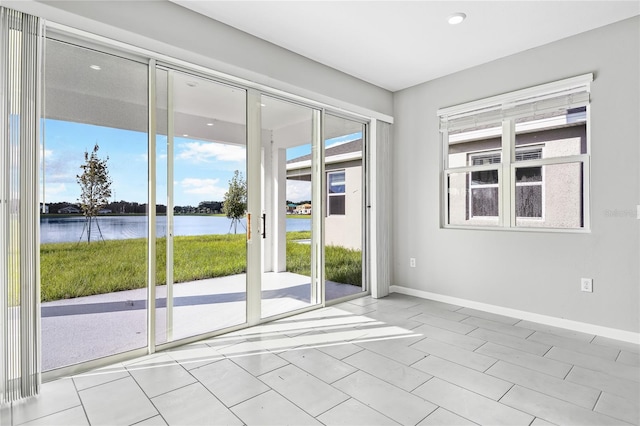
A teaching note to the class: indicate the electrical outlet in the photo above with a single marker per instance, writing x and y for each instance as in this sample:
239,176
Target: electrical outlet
412,262
586,284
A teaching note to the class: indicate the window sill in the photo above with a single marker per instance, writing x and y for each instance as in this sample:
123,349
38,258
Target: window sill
519,229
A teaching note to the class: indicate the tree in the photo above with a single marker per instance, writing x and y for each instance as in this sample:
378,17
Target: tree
95,185
234,205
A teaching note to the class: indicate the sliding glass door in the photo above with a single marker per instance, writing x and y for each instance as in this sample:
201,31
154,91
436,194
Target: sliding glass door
201,180
94,213
345,171
175,206
291,261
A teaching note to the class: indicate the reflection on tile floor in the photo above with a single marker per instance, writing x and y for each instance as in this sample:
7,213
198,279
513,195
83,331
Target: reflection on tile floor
397,360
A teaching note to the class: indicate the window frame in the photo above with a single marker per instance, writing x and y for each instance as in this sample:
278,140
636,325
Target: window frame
528,149
507,219
493,154
541,184
471,186
339,194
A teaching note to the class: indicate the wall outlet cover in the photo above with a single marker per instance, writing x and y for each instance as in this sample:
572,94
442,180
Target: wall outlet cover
586,284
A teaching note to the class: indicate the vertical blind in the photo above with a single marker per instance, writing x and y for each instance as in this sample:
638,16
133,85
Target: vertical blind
20,72
383,210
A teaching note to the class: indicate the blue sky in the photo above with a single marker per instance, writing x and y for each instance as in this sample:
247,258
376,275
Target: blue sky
301,150
202,170
63,153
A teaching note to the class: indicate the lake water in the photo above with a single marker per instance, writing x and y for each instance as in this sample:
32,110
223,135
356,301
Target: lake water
69,229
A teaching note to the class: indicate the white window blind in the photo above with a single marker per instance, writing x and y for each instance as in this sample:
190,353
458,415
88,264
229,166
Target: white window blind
20,64
532,102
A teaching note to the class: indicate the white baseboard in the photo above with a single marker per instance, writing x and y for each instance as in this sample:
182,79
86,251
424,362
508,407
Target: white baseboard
612,333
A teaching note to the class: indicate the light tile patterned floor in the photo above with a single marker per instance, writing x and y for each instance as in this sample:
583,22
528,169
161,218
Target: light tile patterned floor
397,360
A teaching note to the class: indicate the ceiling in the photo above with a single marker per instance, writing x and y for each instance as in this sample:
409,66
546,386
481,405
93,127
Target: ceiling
398,44
116,95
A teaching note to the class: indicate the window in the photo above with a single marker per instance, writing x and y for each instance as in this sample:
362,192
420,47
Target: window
483,186
518,160
336,193
529,184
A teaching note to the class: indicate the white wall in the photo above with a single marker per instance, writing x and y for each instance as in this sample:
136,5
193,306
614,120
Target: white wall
533,272
172,30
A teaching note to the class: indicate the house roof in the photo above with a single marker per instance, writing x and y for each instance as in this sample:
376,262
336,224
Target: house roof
343,148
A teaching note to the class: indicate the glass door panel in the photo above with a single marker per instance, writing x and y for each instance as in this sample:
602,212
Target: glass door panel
201,285
93,248
288,207
344,220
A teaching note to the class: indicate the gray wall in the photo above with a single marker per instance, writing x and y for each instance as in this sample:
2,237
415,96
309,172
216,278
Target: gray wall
167,28
533,272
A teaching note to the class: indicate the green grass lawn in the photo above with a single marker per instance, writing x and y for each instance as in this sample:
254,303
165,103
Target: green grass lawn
342,265
70,270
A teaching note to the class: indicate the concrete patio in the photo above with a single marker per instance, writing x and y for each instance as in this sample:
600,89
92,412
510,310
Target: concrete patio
92,327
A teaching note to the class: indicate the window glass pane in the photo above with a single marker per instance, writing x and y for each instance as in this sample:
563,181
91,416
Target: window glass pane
529,192
484,141
484,177
344,248
336,183
484,202
529,201
336,204
529,174
471,202
558,134
550,196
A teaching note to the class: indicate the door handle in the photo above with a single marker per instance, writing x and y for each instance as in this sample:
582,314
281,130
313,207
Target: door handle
248,226
264,225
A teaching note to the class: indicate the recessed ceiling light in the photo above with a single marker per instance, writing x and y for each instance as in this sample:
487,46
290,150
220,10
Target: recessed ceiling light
95,67
209,124
456,18
185,135
262,105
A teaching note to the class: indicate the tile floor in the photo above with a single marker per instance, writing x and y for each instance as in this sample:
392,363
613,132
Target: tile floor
397,360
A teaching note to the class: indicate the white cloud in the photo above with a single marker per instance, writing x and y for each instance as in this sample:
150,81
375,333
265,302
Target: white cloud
60,178
45,153
207,151
208,189
298,190
55,189
57,168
